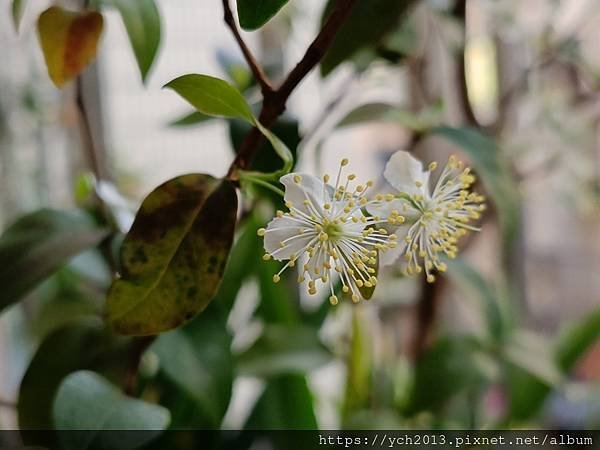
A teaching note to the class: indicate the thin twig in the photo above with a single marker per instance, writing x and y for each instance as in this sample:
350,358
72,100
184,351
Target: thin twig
257,70
274,102
131,375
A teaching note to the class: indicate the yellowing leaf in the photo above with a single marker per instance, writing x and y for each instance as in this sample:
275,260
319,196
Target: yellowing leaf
69,41
174,256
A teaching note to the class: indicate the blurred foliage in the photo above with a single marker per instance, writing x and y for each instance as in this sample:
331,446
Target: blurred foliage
188,274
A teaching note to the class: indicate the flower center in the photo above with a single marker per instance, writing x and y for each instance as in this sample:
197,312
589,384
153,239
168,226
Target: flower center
333,230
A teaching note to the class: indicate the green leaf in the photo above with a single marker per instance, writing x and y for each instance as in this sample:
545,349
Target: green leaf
283,349
174,256
369,112
576,340
216,97
198,359
246,248
369,22
487,160
266,160
68,40
67,350
18,7
142,22
533,354
254,14
277,300
449,367
531,373
193,118
466,277
212,96
37,245
236,69
286,404
91,411
282,151
359,366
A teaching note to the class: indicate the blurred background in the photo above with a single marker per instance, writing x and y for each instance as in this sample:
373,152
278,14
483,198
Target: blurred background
508,338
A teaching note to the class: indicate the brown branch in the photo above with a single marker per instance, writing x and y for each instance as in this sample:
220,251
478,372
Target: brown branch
274,102
131,375
257,71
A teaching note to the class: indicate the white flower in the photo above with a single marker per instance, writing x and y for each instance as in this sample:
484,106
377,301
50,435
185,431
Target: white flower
434,219
327,232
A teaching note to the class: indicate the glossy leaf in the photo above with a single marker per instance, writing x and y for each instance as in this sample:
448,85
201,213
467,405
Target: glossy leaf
17,9
198,359
216,97
69,41
283,349
37,245
142,22
369,22
254,14
212,96
90,411
65,351
174,256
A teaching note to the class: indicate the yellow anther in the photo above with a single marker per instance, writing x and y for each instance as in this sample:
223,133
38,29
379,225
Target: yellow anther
430,278
300,279
355,298
279,214
276,278
345,289
344,162
266,257
297,179
326,178
333,300
432,166
327,206
351,176
261,231
418,184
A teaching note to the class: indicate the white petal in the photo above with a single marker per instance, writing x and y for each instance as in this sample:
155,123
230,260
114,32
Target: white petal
309,188
404,172
280,229
391,255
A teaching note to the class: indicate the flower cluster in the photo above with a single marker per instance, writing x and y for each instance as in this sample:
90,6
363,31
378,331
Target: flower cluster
344,231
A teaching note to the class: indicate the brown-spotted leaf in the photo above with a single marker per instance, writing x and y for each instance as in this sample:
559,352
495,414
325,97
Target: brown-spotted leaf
174,256
69,41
